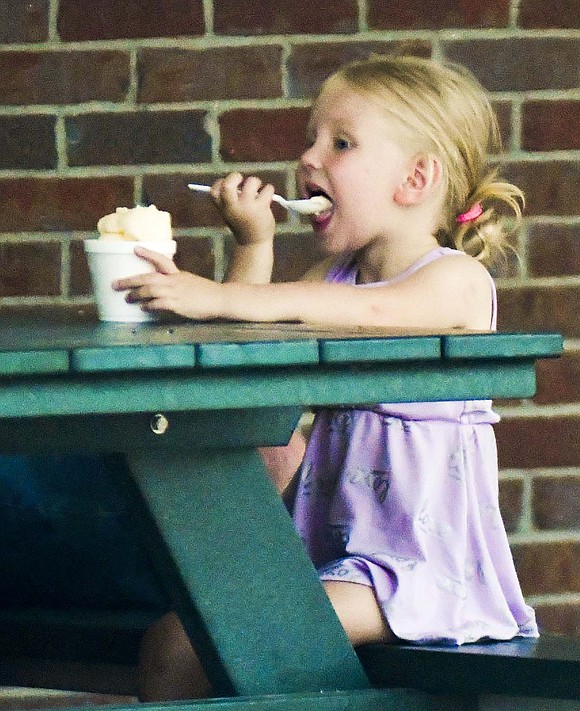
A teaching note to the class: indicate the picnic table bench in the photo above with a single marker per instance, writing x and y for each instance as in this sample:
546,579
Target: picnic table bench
176,410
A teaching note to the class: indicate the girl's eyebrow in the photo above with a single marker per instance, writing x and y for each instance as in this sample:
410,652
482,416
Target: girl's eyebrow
334,126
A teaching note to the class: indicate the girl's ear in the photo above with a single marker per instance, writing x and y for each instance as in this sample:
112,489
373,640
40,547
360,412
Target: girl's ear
423,177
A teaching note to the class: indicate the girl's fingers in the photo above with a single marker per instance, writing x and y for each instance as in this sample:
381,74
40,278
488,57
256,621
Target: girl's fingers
231,186
162,264
251,186
134,282
217,189
235,186
266,192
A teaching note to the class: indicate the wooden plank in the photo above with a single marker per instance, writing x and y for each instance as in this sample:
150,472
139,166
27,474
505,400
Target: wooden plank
45,334
117,680
358,350
277,353
267,637
548,667
157,391
175,431
503,345
140,357
323,700
29,362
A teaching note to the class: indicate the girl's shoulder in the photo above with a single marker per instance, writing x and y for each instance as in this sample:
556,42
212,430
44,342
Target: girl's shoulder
455,264
443,264
464,285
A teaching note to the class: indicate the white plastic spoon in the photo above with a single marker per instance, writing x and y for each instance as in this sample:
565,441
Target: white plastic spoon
311,206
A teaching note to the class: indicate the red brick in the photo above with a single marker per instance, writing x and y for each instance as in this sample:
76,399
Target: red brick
197,255
503,112
263,134
417,14
519,64
539,14
80,280
141,137
47,204
79,20
546,308
294,255
558,379
550,187
23,21
270,17
510,503
545,568
205,75
556,502
30,269
553,250
27,142
191,209
562,618
63,77
310,64
550,125
532,442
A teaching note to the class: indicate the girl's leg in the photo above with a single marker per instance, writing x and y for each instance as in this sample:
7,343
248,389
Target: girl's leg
282,462
358,611
169,668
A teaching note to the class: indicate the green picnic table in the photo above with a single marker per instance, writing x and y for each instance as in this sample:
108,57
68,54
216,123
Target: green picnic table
181,407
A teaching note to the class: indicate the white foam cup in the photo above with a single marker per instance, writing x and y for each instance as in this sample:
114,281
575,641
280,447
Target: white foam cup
116,259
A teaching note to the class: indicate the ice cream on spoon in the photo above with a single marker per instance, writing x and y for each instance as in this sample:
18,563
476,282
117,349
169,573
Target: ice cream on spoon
310,206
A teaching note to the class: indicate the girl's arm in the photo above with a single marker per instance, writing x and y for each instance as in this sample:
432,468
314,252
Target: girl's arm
244,204
452,292
250,264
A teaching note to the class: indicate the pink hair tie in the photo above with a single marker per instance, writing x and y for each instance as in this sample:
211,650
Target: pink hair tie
472,214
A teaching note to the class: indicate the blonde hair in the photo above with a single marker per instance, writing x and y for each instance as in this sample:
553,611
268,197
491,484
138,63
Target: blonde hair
448,111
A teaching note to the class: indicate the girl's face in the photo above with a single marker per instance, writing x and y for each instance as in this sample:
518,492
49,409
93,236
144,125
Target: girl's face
357,156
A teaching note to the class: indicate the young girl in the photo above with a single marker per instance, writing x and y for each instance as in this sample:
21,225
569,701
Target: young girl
397,504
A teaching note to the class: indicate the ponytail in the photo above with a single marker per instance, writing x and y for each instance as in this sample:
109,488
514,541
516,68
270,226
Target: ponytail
485,237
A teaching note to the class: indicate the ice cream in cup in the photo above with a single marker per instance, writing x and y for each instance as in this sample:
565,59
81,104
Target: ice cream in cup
112,256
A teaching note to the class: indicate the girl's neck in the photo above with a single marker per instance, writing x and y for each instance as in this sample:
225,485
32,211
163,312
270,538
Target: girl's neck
387,259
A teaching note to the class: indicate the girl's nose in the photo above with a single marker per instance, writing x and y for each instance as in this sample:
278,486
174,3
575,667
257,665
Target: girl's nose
310,158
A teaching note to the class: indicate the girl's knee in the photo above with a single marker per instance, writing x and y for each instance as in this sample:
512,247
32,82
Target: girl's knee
165,639
358,611
169,668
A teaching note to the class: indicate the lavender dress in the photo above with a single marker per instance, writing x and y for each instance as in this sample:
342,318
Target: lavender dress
404,498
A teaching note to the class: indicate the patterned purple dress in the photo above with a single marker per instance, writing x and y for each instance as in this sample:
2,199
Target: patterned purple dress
404,498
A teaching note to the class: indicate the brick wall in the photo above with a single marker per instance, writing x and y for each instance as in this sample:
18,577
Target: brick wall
107,103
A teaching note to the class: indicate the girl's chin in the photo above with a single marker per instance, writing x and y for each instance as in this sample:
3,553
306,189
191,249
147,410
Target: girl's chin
328,245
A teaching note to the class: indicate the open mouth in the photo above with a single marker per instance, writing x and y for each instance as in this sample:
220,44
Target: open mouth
316,191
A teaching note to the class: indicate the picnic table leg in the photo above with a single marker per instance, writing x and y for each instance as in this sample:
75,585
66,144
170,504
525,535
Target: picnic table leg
238,575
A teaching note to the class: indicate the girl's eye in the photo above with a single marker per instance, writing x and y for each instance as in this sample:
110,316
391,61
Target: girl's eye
342,144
